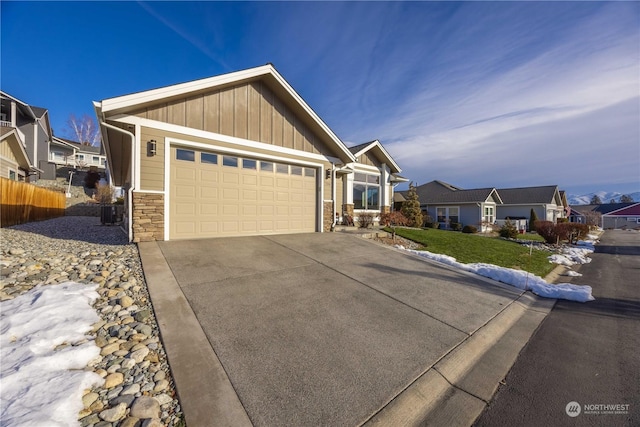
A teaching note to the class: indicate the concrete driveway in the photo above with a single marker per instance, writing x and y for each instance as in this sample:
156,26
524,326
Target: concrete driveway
330,329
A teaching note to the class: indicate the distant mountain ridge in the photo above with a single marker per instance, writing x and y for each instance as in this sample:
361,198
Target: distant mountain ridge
605,196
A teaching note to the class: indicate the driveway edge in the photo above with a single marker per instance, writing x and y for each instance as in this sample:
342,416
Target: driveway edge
191,357
455,390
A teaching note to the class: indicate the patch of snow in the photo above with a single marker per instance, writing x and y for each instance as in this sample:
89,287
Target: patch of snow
517,278
572,273
43,385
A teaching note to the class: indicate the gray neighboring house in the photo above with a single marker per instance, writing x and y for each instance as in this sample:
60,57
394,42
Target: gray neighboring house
517,203
64,152
448,204
33,130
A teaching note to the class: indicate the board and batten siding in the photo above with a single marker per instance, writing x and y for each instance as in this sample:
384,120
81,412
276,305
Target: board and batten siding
370,159
249,111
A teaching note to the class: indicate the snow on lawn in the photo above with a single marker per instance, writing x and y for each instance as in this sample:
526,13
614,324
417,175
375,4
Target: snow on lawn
518,278
43,385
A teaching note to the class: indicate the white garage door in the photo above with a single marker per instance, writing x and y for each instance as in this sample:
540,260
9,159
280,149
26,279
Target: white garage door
213,194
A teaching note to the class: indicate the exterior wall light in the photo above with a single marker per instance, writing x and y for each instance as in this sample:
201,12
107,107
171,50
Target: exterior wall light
152,148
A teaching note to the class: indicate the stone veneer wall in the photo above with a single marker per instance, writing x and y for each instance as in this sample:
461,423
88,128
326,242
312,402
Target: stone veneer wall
347,209
327,219
148,217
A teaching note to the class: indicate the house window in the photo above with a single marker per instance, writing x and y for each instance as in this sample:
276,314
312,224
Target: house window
12,175
448,214
80,156
103,161
96,159
187,155
366,191
489,216
208,158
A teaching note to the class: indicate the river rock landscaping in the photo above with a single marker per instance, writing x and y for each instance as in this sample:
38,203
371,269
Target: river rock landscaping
138,389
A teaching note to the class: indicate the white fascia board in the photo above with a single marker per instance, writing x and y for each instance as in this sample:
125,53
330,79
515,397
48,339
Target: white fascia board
133,99
127,101
168,127
366,168
388,158
57,140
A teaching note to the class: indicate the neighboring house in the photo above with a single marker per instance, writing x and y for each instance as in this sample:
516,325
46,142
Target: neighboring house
14,162
448,204
32,129
236,154
625,217
517,203
64,152
580,213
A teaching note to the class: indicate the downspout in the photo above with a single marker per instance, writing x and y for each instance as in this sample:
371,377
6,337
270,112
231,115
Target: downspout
333,196
133,175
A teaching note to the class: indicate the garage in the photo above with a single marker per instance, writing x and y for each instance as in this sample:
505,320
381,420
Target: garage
214,194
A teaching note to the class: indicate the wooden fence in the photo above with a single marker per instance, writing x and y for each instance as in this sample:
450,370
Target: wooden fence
22,202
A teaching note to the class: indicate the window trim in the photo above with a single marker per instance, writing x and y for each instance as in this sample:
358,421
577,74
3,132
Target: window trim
447,215
367,185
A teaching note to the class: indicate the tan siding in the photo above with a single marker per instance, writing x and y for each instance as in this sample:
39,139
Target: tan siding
254,112
212,112
277,122
249,110
176,113
226,112
266,111
152,167
240,112
5,151
195,114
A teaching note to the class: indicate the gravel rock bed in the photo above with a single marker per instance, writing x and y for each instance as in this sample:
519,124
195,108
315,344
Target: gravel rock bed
138,389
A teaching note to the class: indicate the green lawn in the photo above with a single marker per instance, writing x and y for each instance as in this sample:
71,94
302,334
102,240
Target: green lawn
470,248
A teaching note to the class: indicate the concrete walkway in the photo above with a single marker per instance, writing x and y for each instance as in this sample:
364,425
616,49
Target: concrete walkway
330,329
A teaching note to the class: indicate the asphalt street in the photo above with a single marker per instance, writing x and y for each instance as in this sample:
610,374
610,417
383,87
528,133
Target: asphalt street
585,353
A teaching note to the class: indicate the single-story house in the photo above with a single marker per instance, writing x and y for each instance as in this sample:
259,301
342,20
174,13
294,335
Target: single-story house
448,204
235,154
607,215
625,217
517,203
14,162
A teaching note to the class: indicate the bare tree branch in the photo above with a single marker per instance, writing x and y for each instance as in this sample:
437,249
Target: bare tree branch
85,130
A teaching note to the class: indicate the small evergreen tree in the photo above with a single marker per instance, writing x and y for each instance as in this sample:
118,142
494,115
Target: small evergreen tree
533,217
595,200
626,199
411,207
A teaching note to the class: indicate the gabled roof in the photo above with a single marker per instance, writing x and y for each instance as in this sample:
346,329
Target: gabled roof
380,151
530,195
476,195
433,187
603,208
11,137
266,73
631,210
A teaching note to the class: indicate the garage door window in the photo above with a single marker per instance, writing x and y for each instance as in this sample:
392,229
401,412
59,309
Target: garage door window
248,164
266,166
209,158
230,161
280,168
309,172
296,170
186,155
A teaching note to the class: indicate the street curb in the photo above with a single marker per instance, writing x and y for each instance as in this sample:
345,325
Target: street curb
455,390
191,357
553,276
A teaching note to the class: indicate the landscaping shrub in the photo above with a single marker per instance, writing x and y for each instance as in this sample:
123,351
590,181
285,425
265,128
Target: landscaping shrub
455,226
533,217
411,207
429,222
548,231
365,220
469,229
393,218
571,231
508,230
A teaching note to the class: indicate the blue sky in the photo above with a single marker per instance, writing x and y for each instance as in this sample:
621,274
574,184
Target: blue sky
478,94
